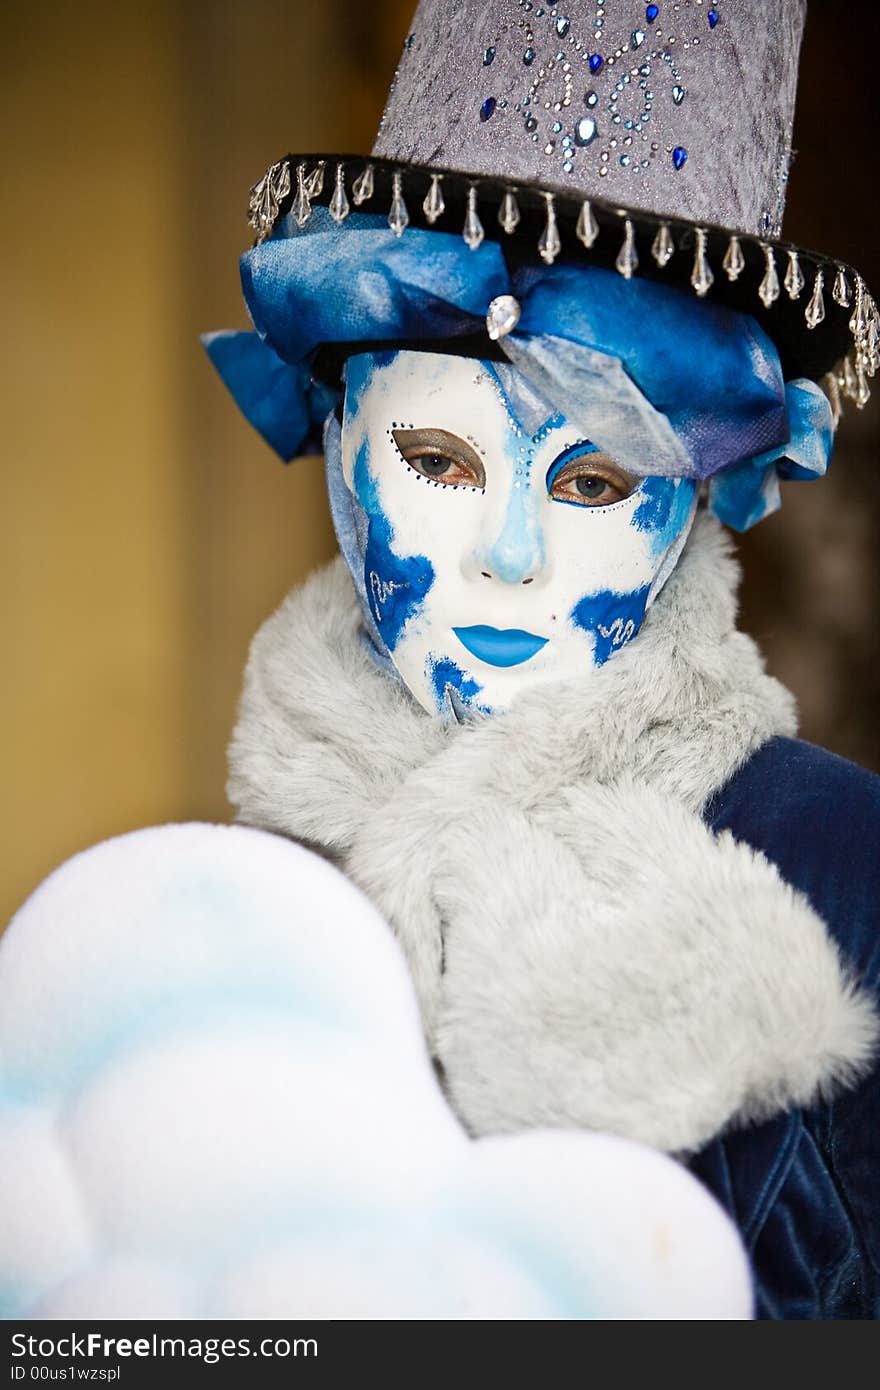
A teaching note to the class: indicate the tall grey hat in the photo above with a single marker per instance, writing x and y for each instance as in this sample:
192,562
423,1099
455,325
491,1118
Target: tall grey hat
654,139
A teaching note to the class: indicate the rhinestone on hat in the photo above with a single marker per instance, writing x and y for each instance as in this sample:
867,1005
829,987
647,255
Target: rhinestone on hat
502,316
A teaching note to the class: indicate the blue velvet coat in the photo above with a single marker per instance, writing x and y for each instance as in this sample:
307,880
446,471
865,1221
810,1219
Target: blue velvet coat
804,1188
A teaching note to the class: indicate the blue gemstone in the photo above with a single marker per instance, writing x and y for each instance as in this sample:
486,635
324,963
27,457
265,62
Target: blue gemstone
596,61
679,156
488,56
712,17
487,108
651,13
590,98
529,57
562,26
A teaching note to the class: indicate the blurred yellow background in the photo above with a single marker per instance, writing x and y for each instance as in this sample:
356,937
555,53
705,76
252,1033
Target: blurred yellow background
147,529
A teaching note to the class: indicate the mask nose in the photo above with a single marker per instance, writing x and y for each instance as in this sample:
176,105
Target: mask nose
515,554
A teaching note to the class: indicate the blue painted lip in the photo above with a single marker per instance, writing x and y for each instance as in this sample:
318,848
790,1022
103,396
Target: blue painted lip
499,647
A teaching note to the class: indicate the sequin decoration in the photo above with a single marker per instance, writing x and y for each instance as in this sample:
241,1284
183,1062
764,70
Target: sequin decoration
635,60
487,109
585,131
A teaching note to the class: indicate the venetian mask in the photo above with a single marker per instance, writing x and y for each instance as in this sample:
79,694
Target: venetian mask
500,547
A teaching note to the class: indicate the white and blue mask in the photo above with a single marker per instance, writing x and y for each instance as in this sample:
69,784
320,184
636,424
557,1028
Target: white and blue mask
495,546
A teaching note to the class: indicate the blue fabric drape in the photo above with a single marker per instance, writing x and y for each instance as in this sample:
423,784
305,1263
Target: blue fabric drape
667,383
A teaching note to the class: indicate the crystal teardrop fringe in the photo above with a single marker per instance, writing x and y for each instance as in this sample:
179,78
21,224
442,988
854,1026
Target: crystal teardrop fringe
794,277
362,188
508,213
549,244
301,208
586,228
849,379
663,247
627,262
701,275
866,338
858,323
734,262
398,217
873,343
831,386
315,181
815,310
768,290
434,205
266,196
339,206
282,183
472,230
840,290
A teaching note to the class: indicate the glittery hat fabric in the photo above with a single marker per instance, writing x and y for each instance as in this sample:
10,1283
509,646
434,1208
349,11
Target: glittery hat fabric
651,140
683,109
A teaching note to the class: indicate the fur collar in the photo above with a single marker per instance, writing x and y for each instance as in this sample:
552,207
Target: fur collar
683,706
585,951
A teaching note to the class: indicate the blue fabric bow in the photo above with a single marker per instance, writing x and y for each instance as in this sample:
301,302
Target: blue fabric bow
665,383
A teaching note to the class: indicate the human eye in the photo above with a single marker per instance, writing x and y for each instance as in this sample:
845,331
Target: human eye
589,479
441,456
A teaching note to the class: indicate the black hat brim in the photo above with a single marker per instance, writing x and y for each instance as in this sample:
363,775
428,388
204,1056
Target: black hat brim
804,350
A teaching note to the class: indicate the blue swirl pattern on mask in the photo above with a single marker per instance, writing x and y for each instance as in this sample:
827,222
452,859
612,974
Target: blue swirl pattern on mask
613,619
396,586
664,509
446,676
